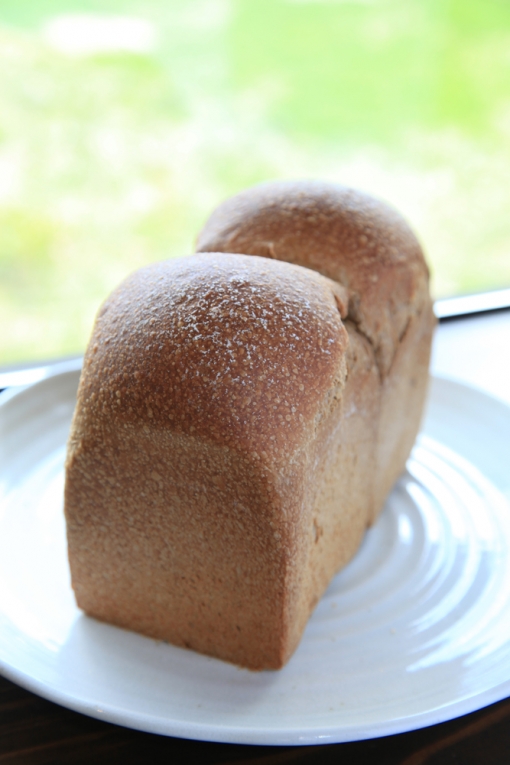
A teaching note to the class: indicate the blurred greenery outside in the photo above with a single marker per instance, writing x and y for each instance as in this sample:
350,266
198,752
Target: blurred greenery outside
112,157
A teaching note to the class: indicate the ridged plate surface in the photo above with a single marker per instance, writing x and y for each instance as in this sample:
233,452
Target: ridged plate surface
416,630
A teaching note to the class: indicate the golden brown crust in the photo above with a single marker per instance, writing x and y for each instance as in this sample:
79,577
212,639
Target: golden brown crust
403,393
233,349
368,248
206,389
354,239
233,436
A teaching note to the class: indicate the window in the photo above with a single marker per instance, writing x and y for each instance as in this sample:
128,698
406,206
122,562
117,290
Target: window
122,124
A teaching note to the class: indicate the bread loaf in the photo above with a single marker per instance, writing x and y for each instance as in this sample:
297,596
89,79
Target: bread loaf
240,420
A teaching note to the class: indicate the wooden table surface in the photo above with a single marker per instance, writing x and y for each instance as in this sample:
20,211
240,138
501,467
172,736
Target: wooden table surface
34,731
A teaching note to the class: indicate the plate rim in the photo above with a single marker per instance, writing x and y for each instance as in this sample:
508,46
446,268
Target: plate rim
253,736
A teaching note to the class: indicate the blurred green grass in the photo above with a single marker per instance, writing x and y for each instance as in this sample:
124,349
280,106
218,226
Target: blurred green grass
113,159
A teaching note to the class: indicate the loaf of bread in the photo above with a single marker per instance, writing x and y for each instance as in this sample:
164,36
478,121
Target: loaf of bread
241,416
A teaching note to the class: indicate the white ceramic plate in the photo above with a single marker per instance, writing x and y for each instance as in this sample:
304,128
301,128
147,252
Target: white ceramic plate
415,631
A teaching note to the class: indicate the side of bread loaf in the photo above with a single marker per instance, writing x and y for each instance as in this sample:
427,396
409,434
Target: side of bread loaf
208,451
368,248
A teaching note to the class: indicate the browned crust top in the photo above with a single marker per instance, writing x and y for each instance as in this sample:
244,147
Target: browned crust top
345,234
231,348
